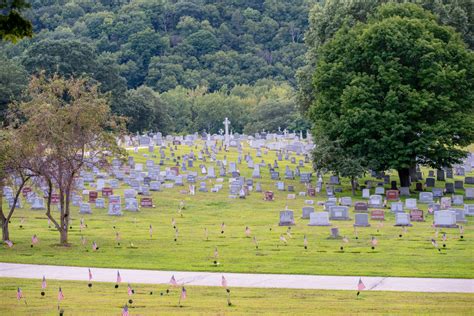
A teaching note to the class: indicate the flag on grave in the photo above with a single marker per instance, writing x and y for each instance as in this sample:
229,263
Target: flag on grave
183,293
90,275
434,243
224,282
360,286
119,278
129,290
43,283
34,239
9,243
94,246
374,241
247,231
283,239
125,311
60,295
19,294
173,281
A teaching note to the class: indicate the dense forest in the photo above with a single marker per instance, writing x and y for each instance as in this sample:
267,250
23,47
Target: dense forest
180,66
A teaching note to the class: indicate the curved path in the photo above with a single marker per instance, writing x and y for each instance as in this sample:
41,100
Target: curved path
29,271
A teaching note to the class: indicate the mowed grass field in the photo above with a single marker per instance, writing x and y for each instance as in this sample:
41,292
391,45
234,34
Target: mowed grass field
398,253
104,299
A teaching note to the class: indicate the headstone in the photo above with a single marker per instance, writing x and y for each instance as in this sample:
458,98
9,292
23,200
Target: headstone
361,207
335,232
375,201
115,207
93,195
426,197
377,215
437,192
410,204
379,190
339,213
459,185
458,200
430,182
469,209
449,187
269,196
469,193
334,180
402,219
460,215
100,203
38,204
319,219
146,202
392,195
396,207
307,210
445,219
361,220
106,192
440,175
416,215
346,201
404,191
469,180
365,193
286,218
131,204
85,208
418,186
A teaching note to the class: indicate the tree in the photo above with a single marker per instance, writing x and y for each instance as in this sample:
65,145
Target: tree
13,25
13,79
396,91
71,122
328,155
16,156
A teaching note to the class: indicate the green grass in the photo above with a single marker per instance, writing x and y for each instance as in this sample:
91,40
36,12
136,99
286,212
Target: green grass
104,299
409,255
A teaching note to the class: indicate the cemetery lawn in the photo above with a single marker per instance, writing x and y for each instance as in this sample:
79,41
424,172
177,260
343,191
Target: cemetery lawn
104,299
411,255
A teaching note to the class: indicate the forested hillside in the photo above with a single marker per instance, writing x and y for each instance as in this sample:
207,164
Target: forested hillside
182,65
127,45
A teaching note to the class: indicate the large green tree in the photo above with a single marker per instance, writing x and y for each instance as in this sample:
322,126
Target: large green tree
13,25
396,91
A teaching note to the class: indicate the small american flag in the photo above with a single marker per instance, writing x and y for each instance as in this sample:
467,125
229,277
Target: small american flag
117,236
125,311
224,282
173,222
82,226
247,231
255,241
129,290
83,240
19,294
173,281
461,229
360,285
444,237
151,231
374,241
34,239
43,283
90,275
183,293
434,243
119,278
216,253
94,246
283,239
206,234
345,239
222,226
305,241
60,295
9,243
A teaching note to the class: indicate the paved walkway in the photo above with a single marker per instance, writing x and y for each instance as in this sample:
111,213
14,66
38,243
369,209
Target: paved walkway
28,271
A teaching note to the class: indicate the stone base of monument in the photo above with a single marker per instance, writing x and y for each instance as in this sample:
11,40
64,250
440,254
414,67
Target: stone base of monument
446,226
403,225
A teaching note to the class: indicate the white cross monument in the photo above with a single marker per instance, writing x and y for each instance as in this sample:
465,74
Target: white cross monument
226,135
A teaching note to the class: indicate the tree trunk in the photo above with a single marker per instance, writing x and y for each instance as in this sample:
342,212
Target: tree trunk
413,175
353,185
63,233
5,231
404,175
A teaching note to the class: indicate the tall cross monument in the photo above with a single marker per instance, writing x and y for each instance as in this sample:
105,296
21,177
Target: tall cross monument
226,127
